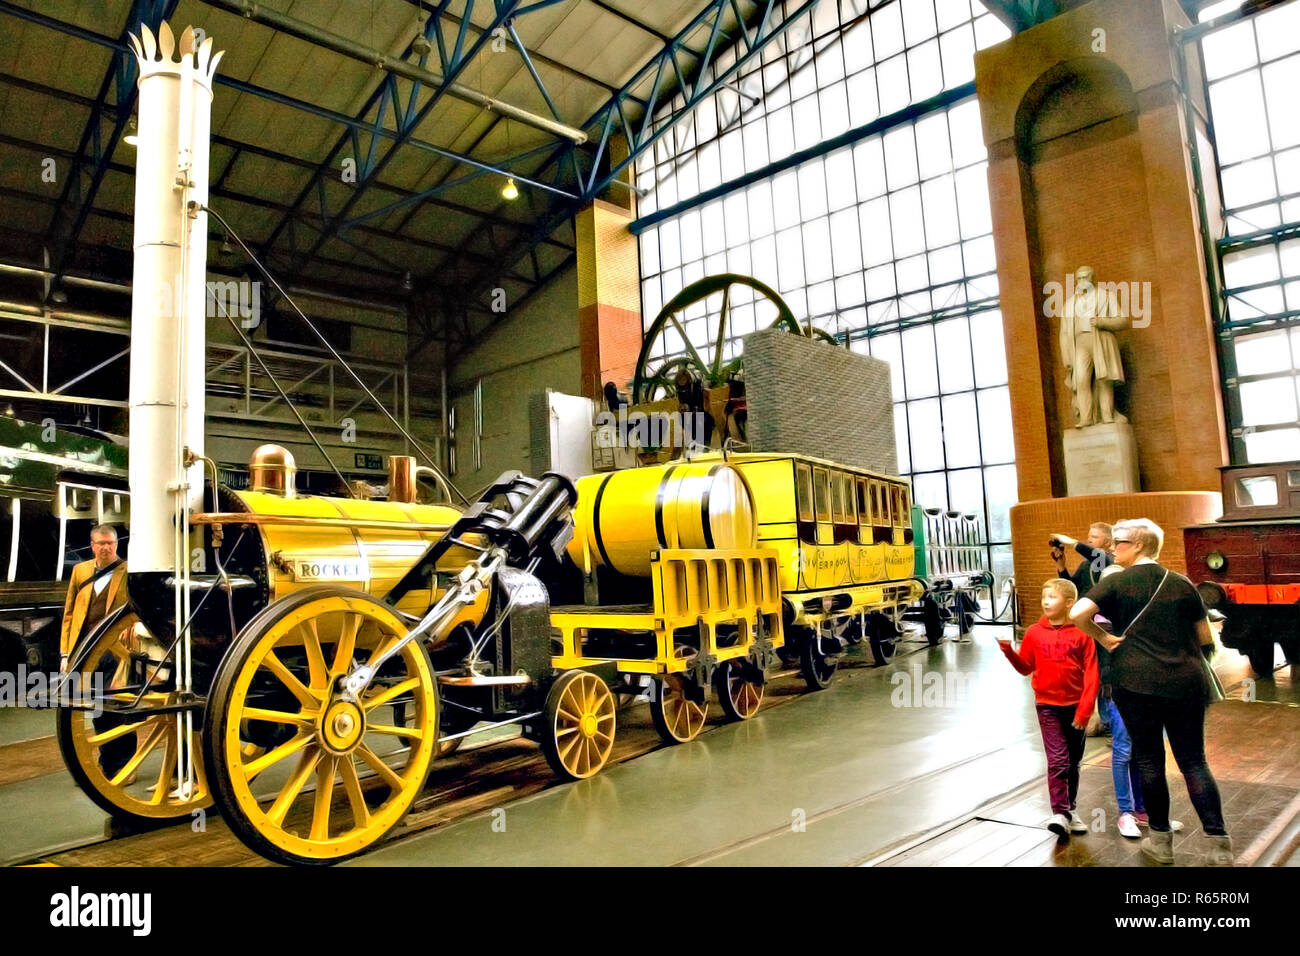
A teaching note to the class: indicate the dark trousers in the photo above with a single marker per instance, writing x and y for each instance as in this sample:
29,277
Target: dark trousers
1148,718
115,754
1064,745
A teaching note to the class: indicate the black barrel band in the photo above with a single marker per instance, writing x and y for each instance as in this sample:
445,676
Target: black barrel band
595,523
659,506
704,508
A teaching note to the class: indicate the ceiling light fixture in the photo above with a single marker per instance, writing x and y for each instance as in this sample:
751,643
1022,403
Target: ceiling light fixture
132,137
408,283
420,46
510,190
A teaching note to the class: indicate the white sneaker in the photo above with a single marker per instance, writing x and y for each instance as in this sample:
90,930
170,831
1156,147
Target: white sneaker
1175,826
1060,825
1128,826
1076,824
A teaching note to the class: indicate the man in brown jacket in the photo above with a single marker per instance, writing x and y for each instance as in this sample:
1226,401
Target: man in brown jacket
97,587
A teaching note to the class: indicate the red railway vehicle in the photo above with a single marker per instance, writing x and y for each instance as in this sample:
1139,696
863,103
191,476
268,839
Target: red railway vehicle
1247,564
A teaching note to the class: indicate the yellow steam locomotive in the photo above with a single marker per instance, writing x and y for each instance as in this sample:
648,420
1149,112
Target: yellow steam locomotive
342,644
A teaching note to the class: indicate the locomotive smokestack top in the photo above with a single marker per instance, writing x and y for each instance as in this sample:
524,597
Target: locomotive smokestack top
272,469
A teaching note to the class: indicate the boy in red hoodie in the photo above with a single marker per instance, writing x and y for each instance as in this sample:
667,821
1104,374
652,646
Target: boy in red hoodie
1063,662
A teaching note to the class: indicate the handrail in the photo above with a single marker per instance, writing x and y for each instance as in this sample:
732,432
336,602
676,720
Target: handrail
244,517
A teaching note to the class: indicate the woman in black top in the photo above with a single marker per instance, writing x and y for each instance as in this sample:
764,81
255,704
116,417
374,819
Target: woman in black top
1159,679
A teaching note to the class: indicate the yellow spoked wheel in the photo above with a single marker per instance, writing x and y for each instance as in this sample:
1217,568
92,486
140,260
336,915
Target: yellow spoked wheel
579,733
333,776
128,764
739,696
676,715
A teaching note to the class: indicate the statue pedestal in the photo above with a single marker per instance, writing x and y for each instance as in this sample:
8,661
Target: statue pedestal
1101,460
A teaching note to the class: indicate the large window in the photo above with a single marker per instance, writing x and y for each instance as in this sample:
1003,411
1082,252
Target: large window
1252,72
884,242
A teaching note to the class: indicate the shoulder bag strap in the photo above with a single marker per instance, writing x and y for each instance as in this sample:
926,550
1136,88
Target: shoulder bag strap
1147,605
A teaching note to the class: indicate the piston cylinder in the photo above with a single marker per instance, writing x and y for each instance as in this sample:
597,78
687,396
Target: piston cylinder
623,516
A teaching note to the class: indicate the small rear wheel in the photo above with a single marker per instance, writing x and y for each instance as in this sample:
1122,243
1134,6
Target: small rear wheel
677,712
579,733
738,693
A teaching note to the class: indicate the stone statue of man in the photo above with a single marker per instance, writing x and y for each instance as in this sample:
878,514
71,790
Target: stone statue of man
1089,350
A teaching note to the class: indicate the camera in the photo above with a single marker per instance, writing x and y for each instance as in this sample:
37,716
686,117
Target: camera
1056,542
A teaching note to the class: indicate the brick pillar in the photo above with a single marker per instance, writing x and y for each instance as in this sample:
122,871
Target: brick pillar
1089,165
609,297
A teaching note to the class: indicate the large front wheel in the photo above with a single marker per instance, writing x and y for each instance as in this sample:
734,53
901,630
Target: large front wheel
302,774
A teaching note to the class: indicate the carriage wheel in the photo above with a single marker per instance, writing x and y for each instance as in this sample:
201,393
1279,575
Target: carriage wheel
580,722
676,716
279,684
128,766
817,669
739,696
647,384
883,635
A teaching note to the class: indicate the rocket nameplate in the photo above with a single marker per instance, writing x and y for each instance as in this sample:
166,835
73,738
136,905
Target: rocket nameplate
327,569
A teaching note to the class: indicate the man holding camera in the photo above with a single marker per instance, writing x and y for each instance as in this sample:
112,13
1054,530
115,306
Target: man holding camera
1096,556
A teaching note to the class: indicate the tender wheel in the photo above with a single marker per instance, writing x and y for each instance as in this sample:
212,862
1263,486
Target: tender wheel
739,696
817,669
127,766
278,687
580,723
883,637
676,715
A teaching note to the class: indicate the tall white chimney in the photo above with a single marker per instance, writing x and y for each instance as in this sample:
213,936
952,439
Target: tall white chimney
168,306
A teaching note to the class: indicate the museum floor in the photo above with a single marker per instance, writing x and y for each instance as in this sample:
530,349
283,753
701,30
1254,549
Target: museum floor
933,760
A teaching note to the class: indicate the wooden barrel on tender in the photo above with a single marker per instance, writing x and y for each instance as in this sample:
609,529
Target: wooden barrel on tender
623,516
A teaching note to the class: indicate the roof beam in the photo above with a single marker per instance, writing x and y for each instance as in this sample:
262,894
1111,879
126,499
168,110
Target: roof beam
504,9
767,26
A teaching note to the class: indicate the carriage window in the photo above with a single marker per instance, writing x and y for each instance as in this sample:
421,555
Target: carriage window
850,513
822,486
837,498
864,510
881,510
1256,491
803,490
896,500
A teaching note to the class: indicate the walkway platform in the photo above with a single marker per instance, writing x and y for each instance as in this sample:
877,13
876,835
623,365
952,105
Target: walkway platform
932,760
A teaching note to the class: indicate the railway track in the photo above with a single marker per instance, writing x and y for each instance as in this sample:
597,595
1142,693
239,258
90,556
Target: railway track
471,781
